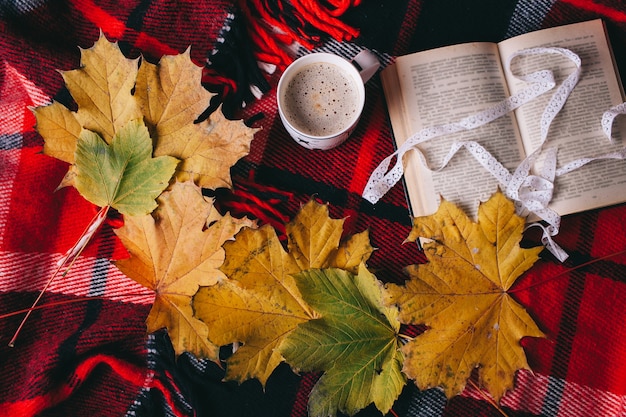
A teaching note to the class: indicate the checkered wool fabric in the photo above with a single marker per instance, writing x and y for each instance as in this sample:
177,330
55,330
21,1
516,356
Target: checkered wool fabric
87,353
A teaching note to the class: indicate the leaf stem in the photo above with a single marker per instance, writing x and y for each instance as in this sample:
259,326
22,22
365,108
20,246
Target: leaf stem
405,338
487,398
68,259
567,271
64,302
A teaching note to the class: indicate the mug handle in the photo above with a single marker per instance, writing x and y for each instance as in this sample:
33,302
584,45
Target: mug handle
366,63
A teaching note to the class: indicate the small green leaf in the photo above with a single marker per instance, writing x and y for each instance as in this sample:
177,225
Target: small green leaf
355,343
122,175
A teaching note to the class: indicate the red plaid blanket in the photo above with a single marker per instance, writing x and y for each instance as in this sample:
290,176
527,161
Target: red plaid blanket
87,352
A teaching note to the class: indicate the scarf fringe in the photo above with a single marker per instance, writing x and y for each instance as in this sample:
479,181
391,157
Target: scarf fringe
232,70
255,201
277,24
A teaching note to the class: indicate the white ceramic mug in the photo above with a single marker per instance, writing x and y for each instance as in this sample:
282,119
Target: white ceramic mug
321,97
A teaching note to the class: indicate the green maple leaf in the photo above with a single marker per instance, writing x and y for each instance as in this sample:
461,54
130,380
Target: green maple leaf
355,342
123,175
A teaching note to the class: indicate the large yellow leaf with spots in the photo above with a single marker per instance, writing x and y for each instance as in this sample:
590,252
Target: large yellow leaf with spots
461,296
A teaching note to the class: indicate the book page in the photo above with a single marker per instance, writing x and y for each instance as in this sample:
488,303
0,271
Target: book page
576,131
442,86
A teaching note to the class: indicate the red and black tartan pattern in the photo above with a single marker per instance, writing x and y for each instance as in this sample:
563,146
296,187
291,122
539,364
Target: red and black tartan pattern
87,353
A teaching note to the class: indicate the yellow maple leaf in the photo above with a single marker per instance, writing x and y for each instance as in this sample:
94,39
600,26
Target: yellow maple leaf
171,98
102,89
461,295
174,250
260,304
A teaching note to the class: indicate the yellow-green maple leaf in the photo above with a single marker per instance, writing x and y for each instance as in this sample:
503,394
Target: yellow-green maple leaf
461,295
123,175
260,303
173,251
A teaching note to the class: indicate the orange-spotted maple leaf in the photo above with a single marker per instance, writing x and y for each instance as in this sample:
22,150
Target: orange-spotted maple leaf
173,251
461,295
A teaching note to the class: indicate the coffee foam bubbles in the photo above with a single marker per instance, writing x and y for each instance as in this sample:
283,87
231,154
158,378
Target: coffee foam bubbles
321,99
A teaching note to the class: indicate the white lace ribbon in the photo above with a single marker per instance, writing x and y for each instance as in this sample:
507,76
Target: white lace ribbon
531,193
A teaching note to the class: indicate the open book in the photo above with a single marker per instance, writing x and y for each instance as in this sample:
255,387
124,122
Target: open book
446,84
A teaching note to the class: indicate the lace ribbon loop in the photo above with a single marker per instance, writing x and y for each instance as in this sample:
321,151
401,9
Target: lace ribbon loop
383,179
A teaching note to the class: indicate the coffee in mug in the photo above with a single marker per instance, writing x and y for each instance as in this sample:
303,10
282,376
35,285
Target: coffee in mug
321,99
321,96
